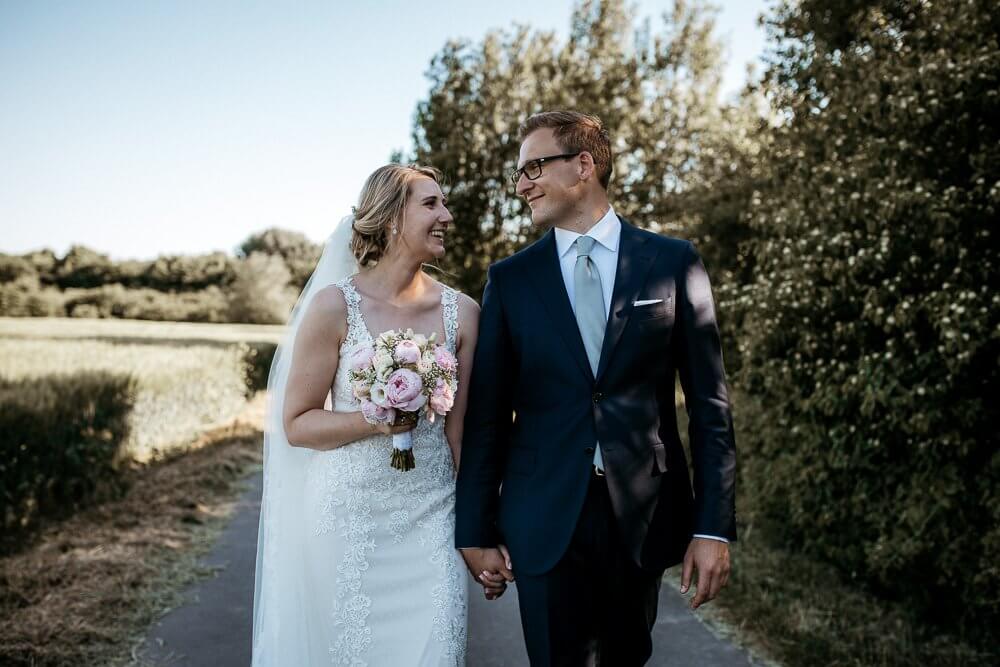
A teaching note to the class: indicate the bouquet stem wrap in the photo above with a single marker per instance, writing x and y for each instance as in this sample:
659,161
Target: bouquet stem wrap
402,443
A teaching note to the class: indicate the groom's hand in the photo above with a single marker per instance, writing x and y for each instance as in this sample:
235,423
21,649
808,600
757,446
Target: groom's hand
711,559
491,567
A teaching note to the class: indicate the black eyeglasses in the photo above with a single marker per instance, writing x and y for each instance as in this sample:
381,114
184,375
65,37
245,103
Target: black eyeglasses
533,168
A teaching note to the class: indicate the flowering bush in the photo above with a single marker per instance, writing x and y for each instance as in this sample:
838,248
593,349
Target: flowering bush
871,332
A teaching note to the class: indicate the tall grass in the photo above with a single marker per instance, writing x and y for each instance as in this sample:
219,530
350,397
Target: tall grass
60,443
181,388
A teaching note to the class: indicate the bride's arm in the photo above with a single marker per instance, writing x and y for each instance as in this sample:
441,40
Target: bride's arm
314,365
468,331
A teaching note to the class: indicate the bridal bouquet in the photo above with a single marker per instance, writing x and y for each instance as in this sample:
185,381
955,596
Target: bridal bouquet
399,377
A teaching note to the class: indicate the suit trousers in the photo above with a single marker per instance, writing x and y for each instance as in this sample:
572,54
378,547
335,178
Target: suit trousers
596,606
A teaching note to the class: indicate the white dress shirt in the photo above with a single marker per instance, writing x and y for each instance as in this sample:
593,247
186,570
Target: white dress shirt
607,233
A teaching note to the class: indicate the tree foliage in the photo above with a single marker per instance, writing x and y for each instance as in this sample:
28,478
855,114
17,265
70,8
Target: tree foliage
295,249
198,288
872,331
260,294
657,92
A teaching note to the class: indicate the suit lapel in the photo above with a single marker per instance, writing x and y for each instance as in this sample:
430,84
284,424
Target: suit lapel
550,287
635,257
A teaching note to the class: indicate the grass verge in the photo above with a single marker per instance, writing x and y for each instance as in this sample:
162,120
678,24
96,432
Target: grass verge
85,590
797,611
789,608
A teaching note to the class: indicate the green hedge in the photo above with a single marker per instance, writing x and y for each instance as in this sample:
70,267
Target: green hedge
25,297
207,305
872,329
60,441
257,358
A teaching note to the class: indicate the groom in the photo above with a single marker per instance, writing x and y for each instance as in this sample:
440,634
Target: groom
571,456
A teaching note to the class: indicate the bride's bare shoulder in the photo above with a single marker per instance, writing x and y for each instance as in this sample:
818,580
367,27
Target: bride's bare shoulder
328,309
466,304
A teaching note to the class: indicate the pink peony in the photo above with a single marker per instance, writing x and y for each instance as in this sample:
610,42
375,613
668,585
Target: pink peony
403,391
376,414
442,398
445,359
407,352
360,358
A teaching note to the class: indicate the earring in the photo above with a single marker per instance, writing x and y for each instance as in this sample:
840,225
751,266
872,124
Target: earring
394,230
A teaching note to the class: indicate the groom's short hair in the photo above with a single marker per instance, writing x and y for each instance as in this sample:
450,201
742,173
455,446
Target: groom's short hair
575,131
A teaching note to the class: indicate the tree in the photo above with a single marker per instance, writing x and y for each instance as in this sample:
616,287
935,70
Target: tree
657,92
260,292
181,272
45,263
83,267
295,249
872,331
13,267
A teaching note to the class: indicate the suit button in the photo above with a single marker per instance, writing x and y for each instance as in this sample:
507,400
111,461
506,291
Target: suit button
597,397
589,450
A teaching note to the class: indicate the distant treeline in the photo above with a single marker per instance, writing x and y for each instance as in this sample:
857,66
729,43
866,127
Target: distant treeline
258,284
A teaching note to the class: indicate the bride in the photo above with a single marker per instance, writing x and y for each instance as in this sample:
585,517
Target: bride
356,562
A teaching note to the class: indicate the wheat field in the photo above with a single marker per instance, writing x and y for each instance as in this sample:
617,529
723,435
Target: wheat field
190,375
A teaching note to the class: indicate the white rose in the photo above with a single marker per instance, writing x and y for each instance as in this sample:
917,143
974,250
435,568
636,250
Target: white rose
378,396
383,363
426,362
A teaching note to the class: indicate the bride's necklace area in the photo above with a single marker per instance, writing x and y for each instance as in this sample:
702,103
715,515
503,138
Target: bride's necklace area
401,314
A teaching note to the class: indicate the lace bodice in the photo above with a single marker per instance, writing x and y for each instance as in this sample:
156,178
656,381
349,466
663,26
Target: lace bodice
358,332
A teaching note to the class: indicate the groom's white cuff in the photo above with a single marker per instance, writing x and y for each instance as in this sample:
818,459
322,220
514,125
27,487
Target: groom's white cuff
713,537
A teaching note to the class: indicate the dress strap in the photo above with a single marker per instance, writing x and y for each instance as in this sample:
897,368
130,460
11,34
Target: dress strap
356,328
449,309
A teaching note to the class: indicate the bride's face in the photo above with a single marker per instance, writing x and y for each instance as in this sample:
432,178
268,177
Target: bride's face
426,221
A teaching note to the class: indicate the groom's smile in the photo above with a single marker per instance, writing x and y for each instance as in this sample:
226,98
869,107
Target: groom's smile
547,170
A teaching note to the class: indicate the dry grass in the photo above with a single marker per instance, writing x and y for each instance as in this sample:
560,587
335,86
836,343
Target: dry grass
137,330
85,590
191,376
181,390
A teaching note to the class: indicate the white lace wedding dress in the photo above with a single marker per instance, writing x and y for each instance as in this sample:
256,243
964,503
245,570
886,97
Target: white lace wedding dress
390,587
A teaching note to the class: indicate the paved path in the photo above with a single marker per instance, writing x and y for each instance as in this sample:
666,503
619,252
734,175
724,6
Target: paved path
212,628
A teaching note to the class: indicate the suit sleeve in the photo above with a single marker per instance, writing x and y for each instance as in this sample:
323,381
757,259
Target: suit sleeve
698,352
487,427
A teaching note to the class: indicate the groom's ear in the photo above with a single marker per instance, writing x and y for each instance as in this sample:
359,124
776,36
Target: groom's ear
587,167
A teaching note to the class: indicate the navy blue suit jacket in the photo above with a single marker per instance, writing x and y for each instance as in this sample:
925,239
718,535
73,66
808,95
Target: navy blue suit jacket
536,409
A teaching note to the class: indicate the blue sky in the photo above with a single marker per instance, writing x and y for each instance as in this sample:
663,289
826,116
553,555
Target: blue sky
149,128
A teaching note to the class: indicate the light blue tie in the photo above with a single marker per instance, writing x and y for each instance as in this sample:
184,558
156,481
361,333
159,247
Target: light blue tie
591,317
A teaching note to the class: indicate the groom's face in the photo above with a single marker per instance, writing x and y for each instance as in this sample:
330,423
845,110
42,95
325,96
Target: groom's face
553,195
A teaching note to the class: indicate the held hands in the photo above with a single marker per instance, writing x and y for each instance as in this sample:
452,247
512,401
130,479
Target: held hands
491,567
711,559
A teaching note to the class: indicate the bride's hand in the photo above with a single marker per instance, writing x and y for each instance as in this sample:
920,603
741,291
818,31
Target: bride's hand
390,429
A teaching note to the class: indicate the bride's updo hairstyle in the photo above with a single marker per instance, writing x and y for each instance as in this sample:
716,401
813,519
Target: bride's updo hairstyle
380,208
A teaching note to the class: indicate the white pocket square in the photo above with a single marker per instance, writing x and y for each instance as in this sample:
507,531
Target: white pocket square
647,302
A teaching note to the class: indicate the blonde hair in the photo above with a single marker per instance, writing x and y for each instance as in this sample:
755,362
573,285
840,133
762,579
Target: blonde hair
380,207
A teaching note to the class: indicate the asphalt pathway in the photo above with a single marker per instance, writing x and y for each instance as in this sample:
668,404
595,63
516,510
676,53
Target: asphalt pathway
212,627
